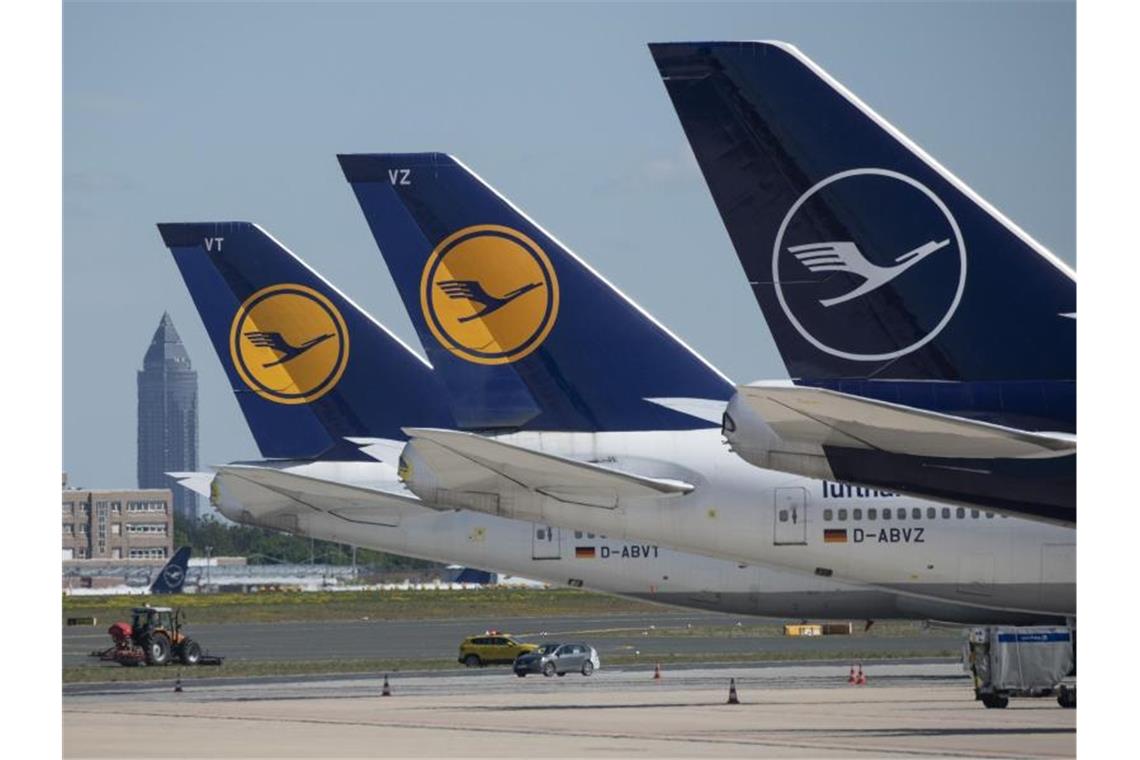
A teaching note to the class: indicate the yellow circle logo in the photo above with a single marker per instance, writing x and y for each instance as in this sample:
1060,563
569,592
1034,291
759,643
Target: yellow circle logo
289,344
489,294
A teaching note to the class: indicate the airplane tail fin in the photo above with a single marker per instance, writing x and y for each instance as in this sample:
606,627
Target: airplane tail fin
868,259
173,574
307,365
524,333
471,575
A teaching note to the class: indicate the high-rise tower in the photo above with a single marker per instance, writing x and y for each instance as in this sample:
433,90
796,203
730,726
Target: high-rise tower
168,417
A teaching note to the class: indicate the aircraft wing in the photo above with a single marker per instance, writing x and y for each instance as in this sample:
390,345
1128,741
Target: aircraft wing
354,503
468,462
829,418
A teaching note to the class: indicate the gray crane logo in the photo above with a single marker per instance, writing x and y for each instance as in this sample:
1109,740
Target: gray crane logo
845,256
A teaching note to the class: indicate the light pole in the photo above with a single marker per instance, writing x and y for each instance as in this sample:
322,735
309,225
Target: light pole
208,550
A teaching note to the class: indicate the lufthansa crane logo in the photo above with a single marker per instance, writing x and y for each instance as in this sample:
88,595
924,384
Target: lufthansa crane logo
173,576
489,294
869,265
289,344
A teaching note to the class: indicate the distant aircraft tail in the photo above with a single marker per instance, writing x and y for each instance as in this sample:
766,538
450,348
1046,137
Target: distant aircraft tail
308,366
868,259
173,574
524,333
471,575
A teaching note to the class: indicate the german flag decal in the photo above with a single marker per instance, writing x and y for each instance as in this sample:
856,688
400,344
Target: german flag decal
584,552
835,535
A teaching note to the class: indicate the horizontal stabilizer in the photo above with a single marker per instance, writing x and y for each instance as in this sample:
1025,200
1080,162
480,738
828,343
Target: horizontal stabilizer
380,449
355,503
709,410
198,482
463,462
801,414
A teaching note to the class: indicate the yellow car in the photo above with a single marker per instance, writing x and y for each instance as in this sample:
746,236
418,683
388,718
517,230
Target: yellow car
491,647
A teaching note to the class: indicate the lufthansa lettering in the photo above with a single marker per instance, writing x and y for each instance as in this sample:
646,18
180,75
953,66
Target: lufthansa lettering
848,491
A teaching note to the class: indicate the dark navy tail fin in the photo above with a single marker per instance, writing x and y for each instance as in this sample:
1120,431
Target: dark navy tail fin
524,333
868,259
307,365
471,575
172,576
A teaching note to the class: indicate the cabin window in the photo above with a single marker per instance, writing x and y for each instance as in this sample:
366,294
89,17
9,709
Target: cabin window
872,514
930,513
857,514
961,512
783,515
916,513
946,513
974,513
901,513
827,513
843,514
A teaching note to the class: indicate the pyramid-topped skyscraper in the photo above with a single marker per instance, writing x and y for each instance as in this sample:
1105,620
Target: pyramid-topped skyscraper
168,417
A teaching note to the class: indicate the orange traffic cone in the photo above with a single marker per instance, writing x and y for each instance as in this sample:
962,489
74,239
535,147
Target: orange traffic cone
732,698
657,672
387,692
178,682
851,676
860,679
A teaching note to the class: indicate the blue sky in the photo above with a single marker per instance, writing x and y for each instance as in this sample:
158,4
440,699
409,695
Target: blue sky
195,111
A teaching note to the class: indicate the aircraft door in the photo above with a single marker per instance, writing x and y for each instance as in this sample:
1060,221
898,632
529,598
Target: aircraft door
791,516
546,543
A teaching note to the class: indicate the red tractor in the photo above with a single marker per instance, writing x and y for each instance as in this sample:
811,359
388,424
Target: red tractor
154,636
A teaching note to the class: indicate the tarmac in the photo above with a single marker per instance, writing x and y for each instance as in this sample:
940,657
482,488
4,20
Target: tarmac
802,710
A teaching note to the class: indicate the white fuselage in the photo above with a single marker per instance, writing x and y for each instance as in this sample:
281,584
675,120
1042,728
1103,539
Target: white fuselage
574,557
742,513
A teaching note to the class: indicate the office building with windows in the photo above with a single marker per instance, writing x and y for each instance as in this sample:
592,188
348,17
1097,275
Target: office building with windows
118,524
168,417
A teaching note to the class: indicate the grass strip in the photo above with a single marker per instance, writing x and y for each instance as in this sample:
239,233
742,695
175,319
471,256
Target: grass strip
299,606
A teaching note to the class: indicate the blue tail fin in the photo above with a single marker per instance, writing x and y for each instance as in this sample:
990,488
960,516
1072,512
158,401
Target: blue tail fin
524,333
307,365
868,259
172,576
471,575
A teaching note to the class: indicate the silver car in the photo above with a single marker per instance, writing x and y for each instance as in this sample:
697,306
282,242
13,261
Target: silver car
550,659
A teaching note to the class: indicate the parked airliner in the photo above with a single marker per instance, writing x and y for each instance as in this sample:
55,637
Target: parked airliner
330,469
948,372
574,407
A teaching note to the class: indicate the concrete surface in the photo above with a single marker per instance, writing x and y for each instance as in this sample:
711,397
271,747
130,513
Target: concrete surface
906,710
